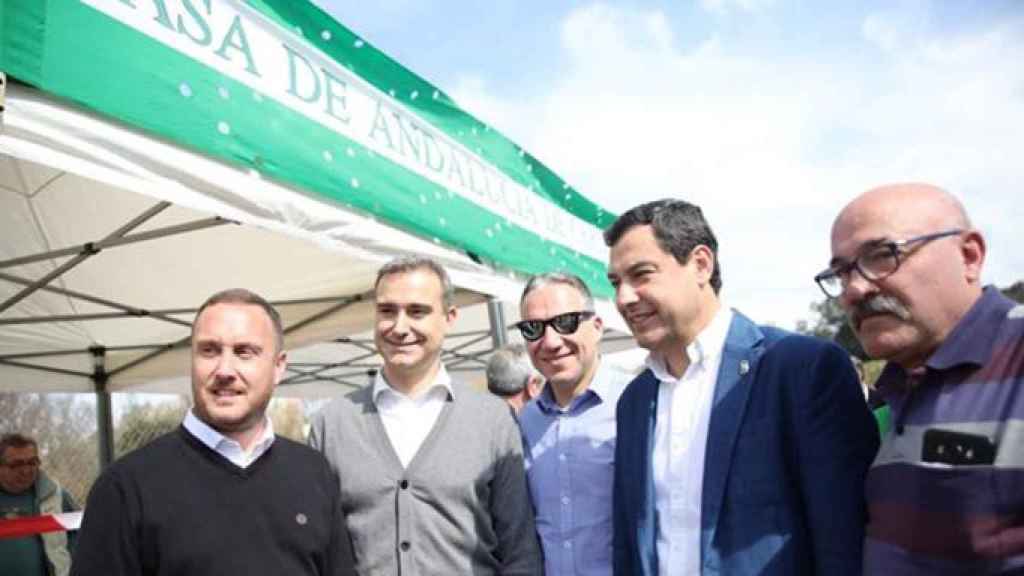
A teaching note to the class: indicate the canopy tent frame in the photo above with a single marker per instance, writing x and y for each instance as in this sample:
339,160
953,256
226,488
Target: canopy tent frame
100,375
313,216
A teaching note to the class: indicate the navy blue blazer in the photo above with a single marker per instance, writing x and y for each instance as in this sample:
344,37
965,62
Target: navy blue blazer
790,441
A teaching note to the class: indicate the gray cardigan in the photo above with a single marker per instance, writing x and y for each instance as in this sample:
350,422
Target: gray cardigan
462,506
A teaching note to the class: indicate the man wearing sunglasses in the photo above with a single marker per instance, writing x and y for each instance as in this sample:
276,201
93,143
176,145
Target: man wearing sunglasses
946,490
742,449
569,429
25,490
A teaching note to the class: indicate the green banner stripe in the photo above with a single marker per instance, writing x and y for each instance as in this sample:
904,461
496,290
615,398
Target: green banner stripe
258,132
416,93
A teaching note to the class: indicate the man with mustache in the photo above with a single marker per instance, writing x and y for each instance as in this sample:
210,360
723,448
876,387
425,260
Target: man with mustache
946,491
221,494
742,449
431,470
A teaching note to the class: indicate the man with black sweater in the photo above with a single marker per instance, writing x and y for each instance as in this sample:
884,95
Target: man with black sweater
221,494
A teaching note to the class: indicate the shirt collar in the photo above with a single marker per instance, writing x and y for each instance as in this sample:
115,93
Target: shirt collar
214,440
972,339
441,380
708,345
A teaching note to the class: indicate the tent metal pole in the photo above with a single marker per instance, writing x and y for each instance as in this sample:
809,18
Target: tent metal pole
101,301
114,242
104,414
496,315
324,313
137,313
163,349
53,353
86,251
50,369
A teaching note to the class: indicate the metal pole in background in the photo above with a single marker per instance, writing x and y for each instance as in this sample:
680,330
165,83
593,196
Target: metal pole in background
496,314
104,414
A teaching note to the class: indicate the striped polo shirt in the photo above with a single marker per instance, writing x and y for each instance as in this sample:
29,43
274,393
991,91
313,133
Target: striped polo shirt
942,519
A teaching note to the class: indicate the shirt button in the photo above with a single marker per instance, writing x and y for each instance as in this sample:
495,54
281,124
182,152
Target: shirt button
565,500
561,457
405,546
404,484
567,544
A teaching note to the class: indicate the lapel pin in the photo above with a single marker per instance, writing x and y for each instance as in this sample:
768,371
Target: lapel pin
744,367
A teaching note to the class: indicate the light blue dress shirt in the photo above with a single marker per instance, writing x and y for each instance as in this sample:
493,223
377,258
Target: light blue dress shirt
570,458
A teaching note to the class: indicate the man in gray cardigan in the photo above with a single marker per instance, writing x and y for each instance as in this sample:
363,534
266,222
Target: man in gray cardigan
431,471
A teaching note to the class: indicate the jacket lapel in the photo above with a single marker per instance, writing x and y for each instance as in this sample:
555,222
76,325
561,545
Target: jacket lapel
732,392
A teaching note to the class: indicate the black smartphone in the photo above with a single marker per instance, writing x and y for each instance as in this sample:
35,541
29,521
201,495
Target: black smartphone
957,448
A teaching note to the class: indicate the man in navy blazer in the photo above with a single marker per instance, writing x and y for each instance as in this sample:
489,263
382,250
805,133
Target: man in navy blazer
741,449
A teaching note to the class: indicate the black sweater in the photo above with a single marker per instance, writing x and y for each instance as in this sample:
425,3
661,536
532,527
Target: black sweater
177,508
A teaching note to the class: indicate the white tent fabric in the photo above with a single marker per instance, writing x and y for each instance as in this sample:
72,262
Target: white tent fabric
72,180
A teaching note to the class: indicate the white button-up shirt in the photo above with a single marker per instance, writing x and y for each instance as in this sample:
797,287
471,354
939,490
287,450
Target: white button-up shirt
227,447
407,420
680,441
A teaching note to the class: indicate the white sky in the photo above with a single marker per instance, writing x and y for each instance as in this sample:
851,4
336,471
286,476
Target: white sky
770,115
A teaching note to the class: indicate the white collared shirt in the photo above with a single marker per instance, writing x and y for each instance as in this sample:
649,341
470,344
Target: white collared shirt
406,420
680,441
227,447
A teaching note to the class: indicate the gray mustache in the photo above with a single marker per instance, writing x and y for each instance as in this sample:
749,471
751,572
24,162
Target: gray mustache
876,305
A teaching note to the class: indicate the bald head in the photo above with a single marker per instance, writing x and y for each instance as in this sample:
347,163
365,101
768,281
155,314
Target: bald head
935,272
913,207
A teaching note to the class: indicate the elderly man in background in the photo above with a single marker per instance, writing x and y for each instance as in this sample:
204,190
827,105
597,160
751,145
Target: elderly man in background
511,377
25,490
946,491
569,430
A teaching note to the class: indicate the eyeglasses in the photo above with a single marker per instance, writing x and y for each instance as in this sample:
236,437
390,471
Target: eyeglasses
875,262
28,463
565,324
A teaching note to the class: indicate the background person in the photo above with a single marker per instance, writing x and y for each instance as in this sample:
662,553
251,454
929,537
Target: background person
222,494
511,377
946,491
25,490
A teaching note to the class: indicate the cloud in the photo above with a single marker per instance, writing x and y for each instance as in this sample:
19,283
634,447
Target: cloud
772,148
722,7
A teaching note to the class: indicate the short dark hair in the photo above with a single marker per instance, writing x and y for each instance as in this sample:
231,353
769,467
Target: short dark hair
508,370
244,296
540,280
404,264
15,440
678,227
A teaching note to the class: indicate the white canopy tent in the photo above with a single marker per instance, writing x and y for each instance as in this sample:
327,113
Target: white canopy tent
118,215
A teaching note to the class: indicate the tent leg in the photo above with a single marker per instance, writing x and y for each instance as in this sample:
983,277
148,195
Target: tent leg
496,314
104,414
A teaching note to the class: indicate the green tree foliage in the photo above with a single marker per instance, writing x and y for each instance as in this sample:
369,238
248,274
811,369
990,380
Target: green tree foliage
289,418
830,324
141,423
64,426
1015,291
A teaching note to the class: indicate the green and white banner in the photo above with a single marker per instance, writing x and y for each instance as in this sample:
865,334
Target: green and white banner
279,88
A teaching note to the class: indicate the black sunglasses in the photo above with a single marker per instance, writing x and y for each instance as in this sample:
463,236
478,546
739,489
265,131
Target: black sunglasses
568,323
